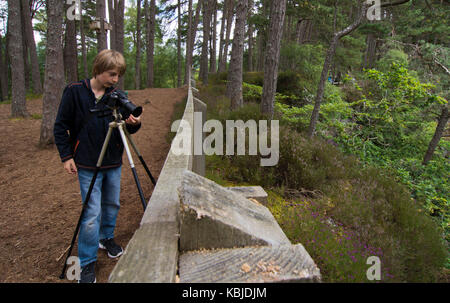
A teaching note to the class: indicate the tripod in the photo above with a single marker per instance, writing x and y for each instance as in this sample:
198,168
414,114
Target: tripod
119,124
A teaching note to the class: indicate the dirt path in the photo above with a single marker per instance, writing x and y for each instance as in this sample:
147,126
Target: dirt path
40,203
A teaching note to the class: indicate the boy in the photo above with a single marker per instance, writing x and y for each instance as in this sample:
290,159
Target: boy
79,136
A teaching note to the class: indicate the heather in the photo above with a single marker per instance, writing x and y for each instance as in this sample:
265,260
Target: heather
343,210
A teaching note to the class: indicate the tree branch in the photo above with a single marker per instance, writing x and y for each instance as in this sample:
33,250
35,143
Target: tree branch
355,24
442,66
399,2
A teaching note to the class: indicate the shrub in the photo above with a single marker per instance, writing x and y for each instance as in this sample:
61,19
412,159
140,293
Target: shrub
354,211
255,78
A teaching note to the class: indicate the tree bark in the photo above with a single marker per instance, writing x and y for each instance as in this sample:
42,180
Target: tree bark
112,22
213,46
272,56
206,34
18,98
83,44
250,37
150,42
192,32
440,128
3,76
70,52
303,31
179,59
222,32
26,61
29,37
101,33
371,47
187,66
54,71
234,79
230,16
118,28
137,80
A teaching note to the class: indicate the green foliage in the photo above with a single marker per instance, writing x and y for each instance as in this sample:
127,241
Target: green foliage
392,56
348,212
393,126
305,60
251,93
255,78
387,114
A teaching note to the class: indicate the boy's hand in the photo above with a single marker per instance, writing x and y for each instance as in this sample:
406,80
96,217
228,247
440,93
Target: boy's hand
132,120
70,167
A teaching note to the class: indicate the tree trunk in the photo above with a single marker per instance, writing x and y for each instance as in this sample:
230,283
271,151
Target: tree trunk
260,42
3,76
119,10
101,33
192,32
440,128
83,44
250,37
26,62
18,98
303,32
112,22
222,32
206,34
272,56
137,81
29,37
54,71
187,66
371,46
234,80
151,15
261,37
179,59
213,47
326,67
70,52
230,16
7,61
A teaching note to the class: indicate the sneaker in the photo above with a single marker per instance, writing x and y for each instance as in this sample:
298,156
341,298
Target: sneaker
111,247
88,274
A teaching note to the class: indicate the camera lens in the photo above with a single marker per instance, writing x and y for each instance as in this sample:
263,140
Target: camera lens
131,108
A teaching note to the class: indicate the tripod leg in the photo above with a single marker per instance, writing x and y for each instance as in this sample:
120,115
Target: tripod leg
88,196
133,169
140,156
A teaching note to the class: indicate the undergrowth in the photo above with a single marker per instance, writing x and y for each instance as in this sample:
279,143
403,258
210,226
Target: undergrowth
341,210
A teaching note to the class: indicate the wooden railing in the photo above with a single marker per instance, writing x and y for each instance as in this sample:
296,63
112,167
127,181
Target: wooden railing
152,253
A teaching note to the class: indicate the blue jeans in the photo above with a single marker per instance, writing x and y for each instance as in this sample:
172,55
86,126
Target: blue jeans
99,218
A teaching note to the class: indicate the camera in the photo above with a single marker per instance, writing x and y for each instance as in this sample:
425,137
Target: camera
118,99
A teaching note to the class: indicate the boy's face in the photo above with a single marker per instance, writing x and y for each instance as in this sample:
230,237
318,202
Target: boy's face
109,78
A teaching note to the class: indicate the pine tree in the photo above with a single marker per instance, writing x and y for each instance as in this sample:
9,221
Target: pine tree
18,105
54,72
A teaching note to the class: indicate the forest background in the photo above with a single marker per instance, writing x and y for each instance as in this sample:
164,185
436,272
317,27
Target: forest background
362,105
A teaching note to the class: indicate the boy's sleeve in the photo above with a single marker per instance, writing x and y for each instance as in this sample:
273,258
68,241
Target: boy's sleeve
63,123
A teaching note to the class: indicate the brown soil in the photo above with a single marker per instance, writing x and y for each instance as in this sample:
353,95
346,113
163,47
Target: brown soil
40,202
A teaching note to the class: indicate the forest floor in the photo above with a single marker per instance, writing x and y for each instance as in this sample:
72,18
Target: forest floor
40,203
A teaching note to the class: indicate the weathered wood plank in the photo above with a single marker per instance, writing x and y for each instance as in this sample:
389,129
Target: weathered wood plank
287,263
214,217
151,256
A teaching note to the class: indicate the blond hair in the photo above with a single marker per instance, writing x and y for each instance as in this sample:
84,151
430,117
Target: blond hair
109,59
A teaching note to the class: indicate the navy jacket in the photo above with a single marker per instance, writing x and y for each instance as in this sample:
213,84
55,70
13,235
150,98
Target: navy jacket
80,133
